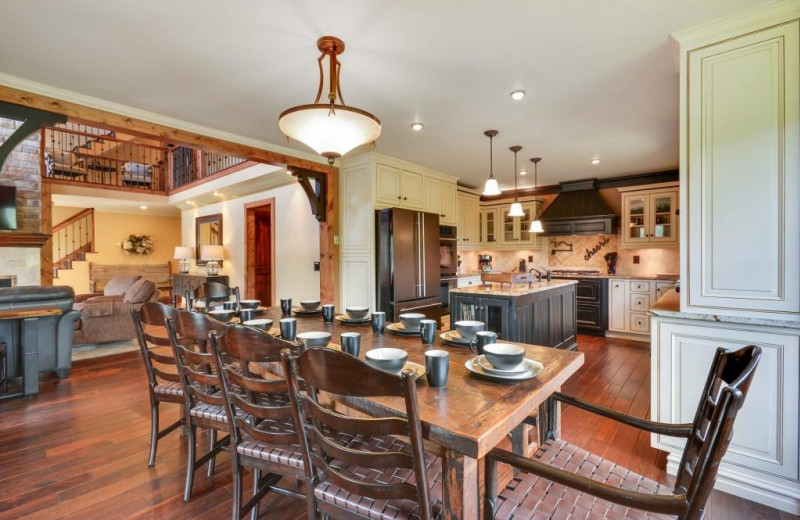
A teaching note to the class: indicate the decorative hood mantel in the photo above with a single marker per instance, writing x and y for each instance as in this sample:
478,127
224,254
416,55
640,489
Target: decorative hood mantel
13,239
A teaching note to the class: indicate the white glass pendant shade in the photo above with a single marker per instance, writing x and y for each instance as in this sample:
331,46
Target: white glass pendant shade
516,210
536,227
330,130
491,187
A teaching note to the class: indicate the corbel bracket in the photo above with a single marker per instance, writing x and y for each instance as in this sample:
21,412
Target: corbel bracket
316,193
33,121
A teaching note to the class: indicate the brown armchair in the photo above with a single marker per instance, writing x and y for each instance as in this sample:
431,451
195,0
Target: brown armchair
107,317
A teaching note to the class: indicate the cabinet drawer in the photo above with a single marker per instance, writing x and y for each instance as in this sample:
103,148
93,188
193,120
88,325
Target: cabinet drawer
639,322
467,282
639,286
640,302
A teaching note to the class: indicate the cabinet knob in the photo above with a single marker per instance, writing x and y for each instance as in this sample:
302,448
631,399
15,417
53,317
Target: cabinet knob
398,197
616,285
405,198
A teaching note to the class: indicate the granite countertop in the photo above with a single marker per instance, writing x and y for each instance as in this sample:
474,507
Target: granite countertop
510,290
669,306
671,278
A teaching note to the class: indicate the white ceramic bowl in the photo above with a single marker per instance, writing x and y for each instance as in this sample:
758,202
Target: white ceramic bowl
504,356
309,305
263,324
469,329
388,359
315,338
410,320
357,312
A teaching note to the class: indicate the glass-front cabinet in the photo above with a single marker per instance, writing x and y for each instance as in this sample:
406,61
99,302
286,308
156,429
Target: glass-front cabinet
489,226
495,313
516,229
650,218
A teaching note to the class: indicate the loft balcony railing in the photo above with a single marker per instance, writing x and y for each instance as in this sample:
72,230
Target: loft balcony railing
98,157
190,165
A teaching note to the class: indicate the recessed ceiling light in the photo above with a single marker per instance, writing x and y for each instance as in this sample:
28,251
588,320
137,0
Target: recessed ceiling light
217,194
417,126
142,207
523,172
595,161
517,95
190,202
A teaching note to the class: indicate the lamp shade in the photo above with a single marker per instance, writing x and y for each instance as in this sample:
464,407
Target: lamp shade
516,210
491,187
212,253
330,130
536,227
184,253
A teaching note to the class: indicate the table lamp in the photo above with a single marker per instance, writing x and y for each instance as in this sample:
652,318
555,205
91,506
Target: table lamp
212,255
184,254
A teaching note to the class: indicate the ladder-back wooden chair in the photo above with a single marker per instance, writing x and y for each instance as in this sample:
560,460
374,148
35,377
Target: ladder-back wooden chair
205,407
568,482
213,292
263,435
164,384
377,476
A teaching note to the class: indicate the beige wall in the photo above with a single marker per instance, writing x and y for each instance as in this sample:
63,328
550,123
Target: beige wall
111,228
296,237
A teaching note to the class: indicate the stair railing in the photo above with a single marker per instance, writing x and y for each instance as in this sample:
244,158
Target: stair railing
73,238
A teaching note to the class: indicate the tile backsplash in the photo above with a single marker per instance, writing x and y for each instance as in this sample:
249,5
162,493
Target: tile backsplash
651,261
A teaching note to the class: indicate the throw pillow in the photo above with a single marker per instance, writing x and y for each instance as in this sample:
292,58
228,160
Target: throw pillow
119,284
141,291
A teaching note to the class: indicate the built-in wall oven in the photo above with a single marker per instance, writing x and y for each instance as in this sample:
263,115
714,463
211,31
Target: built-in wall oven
448,262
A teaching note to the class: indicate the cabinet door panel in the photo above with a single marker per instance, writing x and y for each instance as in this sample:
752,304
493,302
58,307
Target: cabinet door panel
412,190
663,217
765,434
448,204
387,185
636,210
743,174
433,196
355,283
358,219
616,318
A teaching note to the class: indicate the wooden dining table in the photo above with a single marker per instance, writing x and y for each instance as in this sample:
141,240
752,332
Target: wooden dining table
470,415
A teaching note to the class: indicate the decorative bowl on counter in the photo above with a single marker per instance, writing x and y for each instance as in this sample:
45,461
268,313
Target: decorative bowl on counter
468,329
315,338
264,324
221,314
249,304
357,312
309,305
504,356
410,320
387,359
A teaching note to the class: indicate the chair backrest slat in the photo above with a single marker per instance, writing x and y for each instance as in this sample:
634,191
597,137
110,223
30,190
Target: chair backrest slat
215,292
153,314
724,393
332,372
264,436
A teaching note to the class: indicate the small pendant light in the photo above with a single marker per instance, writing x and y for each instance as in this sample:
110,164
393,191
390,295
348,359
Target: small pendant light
516,207
491,187
536,225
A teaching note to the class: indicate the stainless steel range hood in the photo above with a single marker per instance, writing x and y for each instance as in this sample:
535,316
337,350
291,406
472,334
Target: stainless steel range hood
578,210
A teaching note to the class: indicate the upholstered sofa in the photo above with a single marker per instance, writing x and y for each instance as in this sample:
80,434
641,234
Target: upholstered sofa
54,332
107,317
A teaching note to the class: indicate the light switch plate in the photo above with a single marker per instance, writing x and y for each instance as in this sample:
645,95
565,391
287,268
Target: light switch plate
635,259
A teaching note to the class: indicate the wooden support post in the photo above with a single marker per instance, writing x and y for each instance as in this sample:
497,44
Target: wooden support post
46,251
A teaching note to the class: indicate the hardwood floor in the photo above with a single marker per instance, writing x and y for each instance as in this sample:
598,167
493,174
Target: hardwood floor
79,449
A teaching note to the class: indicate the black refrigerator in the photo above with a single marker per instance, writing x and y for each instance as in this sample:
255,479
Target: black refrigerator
407,247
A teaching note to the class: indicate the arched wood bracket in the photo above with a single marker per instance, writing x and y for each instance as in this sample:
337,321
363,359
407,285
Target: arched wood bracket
33,121
316,194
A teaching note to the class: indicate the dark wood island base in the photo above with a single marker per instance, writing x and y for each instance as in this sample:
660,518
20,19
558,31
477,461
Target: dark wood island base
538,313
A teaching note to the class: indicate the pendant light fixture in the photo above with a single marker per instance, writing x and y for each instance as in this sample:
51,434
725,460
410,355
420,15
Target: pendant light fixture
491,187
330,129
536,225
516,207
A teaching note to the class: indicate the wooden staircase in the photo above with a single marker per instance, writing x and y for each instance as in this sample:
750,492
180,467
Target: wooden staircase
73,239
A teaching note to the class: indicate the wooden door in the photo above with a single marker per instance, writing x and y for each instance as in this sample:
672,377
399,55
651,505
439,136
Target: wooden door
259,280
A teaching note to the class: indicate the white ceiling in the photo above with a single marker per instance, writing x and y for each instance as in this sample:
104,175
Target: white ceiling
601,76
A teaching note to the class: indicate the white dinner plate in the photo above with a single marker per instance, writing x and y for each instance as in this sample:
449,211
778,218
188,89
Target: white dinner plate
344,318
473,366
398,328
302,312
452,336
525,366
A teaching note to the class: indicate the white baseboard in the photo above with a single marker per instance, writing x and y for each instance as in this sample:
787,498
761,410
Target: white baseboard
770,492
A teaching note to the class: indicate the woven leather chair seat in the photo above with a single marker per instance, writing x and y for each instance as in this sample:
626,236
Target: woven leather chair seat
286,455
530,497
168,388
383,509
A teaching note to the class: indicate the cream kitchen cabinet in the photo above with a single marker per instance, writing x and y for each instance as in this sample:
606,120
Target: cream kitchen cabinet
514,231
440,199
629,304
468,219
489,226
399,187
650,217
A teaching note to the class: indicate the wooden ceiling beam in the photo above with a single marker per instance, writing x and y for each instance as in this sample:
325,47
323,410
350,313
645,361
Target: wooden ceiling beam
140,127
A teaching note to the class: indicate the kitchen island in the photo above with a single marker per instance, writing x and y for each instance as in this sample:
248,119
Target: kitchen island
537,313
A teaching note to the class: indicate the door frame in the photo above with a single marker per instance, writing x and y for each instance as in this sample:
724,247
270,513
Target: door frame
249,246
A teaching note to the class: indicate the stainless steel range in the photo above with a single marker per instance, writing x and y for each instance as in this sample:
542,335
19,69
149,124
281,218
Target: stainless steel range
592,296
